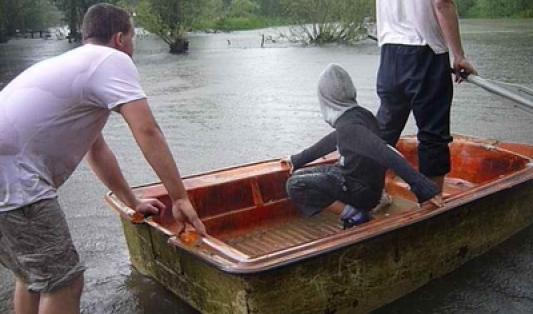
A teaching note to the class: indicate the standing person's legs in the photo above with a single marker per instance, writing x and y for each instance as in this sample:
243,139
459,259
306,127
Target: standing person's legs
63,300
35,244
431,108
394,107
25,301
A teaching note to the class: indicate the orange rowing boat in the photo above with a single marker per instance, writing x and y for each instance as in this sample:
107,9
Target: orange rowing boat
262,256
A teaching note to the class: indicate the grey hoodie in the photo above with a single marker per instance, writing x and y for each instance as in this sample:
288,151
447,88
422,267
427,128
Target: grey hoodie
364,156
336,93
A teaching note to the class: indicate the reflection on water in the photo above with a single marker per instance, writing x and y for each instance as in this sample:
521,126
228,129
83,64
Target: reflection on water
229,102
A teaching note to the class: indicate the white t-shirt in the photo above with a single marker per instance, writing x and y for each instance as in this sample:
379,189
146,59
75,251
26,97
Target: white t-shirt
52,113
409,22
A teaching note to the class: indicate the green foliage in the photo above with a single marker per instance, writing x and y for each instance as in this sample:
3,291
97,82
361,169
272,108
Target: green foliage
239,23
172,19
463,6
319,21
230,15
25,15
269,8
74,11
495,8
242,8
128,5
3,24
324,21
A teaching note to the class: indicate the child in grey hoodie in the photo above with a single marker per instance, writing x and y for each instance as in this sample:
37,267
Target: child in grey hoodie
354,185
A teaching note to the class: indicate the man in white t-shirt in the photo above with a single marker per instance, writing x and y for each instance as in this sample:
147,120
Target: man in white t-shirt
414,75
51,116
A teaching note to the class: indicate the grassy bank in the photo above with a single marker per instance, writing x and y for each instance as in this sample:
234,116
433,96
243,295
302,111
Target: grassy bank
477,13
240,23
495,8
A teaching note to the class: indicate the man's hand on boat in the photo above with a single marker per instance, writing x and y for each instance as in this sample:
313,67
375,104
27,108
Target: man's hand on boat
286,161
149,206
184,213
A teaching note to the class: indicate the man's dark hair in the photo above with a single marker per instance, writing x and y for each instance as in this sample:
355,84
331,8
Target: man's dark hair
103,20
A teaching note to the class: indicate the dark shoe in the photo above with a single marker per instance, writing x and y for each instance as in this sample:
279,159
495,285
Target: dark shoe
358,218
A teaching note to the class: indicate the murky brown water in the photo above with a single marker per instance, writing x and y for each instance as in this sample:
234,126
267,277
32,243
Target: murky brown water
223,105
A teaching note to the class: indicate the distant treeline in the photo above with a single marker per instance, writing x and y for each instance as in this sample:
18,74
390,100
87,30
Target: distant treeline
495,8
467,8
20,15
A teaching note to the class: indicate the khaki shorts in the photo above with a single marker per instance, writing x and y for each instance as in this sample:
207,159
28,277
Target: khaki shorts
35,244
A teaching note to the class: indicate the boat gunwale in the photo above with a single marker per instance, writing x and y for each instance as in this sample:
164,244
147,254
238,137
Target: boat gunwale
239,263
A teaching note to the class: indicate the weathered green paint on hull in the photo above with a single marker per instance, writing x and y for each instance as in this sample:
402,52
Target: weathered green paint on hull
354,279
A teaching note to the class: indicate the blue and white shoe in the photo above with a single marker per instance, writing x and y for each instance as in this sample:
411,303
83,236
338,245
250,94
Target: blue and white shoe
359,217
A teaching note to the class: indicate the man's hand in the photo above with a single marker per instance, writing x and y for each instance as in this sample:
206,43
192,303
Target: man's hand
184,213
149,206
462,68
287,162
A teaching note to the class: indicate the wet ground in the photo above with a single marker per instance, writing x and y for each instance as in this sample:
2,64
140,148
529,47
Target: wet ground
229,102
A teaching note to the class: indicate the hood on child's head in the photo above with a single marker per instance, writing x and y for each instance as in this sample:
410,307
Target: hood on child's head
336,93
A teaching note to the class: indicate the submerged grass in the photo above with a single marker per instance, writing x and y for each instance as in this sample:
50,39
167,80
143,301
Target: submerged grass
240,23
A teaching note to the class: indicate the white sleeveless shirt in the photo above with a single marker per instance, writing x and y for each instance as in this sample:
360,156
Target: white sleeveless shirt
409,22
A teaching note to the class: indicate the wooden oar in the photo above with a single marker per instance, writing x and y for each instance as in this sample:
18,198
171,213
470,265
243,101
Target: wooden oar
520,95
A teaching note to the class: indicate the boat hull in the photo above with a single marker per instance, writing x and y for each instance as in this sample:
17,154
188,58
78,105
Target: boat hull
371,268
355,279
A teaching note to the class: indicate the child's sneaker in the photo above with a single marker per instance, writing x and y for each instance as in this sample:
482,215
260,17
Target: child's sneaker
359,217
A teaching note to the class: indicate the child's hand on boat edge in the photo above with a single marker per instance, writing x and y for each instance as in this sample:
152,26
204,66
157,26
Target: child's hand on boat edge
286,161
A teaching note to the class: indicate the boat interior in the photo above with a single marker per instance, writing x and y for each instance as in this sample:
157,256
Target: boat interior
253,226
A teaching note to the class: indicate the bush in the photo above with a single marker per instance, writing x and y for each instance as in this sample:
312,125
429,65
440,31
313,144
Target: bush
496,8
325,21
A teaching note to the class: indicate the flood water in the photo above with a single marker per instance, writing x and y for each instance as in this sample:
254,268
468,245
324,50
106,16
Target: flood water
230,102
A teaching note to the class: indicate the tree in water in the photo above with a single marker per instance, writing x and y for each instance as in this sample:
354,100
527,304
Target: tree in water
171,20
18,16
74,10
325,21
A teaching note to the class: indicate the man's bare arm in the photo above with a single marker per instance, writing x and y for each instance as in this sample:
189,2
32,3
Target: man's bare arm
446,13
105,166
153,144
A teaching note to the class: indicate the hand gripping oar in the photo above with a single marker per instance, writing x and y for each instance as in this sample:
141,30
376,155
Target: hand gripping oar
520,95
